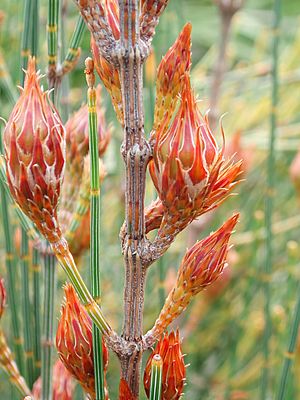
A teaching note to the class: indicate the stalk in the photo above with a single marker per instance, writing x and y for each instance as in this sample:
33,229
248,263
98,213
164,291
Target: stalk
95,224
27,326
11,272
66,261
27,29
48,325
36,312
10,367
73,51
289,354
269,204
52,38
156,378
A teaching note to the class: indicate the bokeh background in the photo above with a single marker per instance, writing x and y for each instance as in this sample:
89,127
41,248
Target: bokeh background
223,327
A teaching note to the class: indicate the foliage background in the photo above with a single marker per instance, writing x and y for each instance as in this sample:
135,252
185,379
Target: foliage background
221,332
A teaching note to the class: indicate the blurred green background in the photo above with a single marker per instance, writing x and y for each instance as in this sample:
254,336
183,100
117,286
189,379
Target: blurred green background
222,329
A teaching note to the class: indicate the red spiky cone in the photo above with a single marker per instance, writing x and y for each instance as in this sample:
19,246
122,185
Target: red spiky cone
201,266
188,170
34,142
170,78
75,344
174,370
62,383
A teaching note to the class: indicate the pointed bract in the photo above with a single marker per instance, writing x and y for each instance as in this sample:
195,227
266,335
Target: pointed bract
34,142
174,370
170,76
188,170
74,342
201,266
62,383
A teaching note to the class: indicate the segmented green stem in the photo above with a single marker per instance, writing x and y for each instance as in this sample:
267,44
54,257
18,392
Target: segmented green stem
27,326
66,261
269,204
36,312
8,364
289,355
48,325
11,274
52,27
95,236
6,82
26,37
73,50
156,378
35,27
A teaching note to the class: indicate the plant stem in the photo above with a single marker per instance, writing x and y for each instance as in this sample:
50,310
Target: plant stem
26,309
52,27
95,226
289,354
27,29
36,312
8,364
156,378
136,153
11,275
73,50
48,324
269,204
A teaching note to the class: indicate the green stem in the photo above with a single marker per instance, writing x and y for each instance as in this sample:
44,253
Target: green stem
27,30
48,325
95,238
269,204
156,378
26,310
52,27
74,44
36,312
35,27
11,276
289,355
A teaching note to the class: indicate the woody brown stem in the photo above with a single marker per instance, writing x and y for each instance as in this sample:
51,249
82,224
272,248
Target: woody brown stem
136,153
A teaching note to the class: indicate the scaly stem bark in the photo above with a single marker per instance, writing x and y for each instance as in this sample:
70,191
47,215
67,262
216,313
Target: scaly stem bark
136,153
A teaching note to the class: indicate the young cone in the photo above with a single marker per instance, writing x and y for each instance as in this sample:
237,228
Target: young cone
173,373
201,266
63,384
125,392
34,141
74,342
188,170
170,78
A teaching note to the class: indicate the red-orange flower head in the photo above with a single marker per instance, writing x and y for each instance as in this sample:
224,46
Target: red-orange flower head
34,141
170,78
188,170
174,371
77,130
202,265
74,342
2,297
63,384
